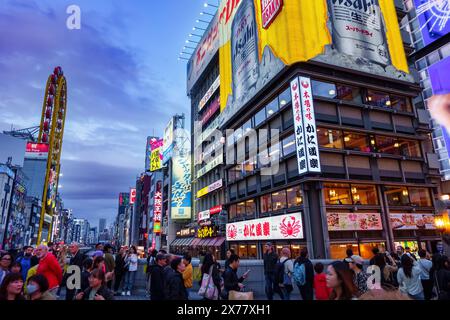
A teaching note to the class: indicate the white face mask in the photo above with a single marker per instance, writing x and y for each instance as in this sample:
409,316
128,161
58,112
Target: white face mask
32,288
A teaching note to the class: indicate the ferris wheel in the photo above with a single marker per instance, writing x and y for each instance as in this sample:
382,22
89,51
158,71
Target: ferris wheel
51,132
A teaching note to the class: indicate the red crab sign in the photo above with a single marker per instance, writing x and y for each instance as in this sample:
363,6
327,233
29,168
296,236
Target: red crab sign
288,226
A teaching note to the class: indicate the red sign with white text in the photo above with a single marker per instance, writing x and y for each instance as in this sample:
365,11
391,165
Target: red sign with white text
37,150
132,196
269,10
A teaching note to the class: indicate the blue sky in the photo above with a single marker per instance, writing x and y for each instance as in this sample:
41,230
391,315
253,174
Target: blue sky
124,83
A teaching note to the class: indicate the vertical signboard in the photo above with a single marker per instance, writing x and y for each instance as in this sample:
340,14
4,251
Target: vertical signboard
181,188
132,195
156,155
157,209
298,126
168,143
309,125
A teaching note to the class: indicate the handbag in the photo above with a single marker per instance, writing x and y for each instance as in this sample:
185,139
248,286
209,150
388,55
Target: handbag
239,295
208,289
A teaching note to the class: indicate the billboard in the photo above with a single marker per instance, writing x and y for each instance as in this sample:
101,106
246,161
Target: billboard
132,195
434,19
156,156
168,142
203,54
354,221
285,227
440,83
157,208
181,188
360,35
410,221
124,199
36,150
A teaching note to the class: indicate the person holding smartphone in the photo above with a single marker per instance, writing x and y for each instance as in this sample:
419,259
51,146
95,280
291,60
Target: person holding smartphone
230,278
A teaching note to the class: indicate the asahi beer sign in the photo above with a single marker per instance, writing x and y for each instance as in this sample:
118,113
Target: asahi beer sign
270,9
358,29
286,227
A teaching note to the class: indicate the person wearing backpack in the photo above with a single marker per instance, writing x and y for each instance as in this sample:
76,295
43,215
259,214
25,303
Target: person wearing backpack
283,273
270,260
304,275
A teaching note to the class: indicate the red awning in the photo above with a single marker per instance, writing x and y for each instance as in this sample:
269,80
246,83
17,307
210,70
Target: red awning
218,242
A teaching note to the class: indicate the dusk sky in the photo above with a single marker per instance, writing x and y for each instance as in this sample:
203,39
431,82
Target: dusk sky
124,83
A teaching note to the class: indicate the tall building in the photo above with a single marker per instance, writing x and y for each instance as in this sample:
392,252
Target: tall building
101,225
81,231
307,136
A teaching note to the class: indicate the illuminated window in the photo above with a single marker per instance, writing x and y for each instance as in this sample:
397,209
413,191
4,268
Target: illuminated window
294,197
240,209
324,89
401,103
348,93
329,138
397,196
232,211
409,148
337,193
272,107
364,194
250,207
357,142
285,97
387,145
379,99
420,197
338,251
279,200
365,249
266,203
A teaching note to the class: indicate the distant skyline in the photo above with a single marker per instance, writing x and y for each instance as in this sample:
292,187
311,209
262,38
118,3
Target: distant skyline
124,84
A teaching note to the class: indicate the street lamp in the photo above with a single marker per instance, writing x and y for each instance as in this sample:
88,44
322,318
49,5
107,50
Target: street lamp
206,5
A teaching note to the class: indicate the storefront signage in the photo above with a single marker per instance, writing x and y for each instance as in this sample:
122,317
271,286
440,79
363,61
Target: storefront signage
181,188
212,109
285,227
157,209
204,215
299,135
132,195
190,232
212,187
207,232
354,221
409,221
209,93
211,165
270,10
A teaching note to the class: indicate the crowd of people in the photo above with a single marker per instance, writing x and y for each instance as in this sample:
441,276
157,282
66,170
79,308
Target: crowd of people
40,273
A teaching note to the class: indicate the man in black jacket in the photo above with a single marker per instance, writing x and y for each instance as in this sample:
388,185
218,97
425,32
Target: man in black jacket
270,260
174,288
157,278
76,260
230,278
306,290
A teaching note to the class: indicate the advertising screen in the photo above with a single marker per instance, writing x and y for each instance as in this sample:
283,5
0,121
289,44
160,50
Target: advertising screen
258,39
36,150
181,188
434,19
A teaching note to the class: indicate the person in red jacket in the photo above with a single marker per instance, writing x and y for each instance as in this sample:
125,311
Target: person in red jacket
49,268
320,283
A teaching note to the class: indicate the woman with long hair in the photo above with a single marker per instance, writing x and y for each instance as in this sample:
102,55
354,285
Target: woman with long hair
340,280
408,278
209,266
12,287
131,261
97,288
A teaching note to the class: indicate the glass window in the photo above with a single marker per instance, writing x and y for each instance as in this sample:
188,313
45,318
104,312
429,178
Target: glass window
348,93
420,197
272,107
356,141
279,200
232,213
294,197
247,126
243,251
248,167
285,97
251,251
387,145
324,89
289,145
260,117
240,209
329,138
397,196
379,99
338,251
266,203
364,194
366,249
409,148
337,193
250,207
401,103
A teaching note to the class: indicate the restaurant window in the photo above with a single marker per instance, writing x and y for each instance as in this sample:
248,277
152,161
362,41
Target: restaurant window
279,200
324,89
337,193
387,145
240,209
272,107
250,207
349,93
356,142
338,251
397,196
294,197
379,99
266,203
260,117
365,249
401,103
329,138
289,145
364,194
285,97
409,148
232,212
243,251
420,197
